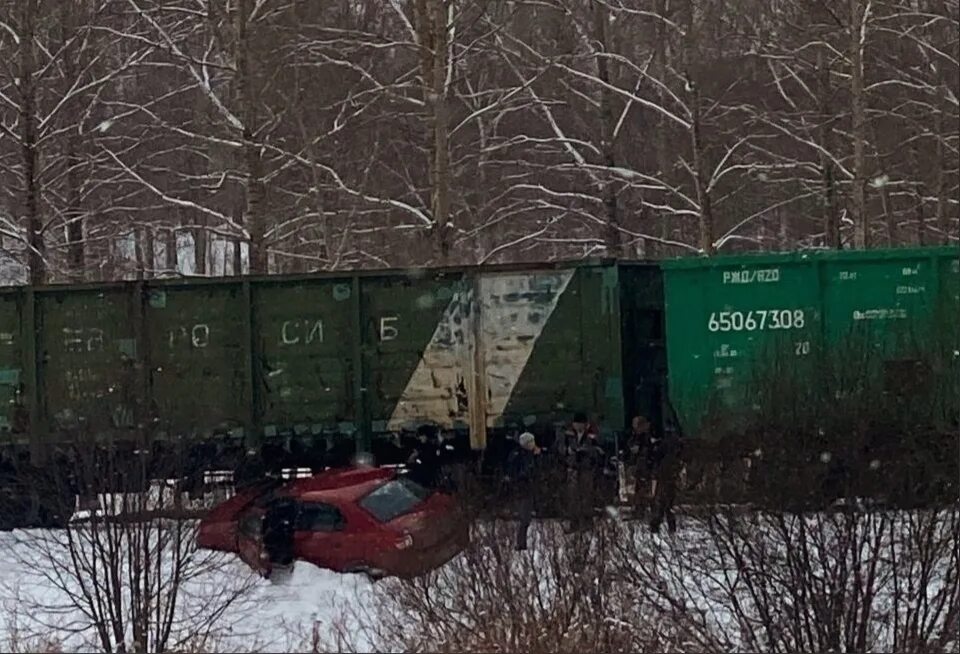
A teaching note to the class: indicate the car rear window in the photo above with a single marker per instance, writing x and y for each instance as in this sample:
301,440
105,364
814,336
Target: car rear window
394,498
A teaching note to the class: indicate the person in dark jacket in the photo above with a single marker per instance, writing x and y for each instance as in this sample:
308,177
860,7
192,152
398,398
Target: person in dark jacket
666,464
251,469
521,473
424,461
586,459
637,457
277,529
341,454
659,446
579,432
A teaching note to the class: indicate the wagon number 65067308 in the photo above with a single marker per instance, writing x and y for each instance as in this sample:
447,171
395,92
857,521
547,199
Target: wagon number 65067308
738,321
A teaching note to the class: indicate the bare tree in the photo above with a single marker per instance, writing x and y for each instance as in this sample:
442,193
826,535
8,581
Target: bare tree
857,27
219,137
64,67
763,582
778,583
560,597
433,27
126,574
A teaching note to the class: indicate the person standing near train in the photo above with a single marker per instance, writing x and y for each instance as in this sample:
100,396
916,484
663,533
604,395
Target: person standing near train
424,461
635,457
657,463
585,460
666,463
523,481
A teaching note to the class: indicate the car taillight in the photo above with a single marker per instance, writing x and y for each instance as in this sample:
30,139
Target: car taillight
404,543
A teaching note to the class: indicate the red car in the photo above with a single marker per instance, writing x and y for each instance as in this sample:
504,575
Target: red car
369,520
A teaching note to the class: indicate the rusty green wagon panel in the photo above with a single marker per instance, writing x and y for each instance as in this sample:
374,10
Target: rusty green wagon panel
412,338
494,348
362,355
13,401
304,372
87,351
552,343
198,349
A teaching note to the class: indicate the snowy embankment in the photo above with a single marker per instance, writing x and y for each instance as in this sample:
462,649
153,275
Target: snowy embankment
871,582
266,616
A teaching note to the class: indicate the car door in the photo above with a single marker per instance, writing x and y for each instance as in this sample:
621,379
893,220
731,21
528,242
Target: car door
250,541
322,537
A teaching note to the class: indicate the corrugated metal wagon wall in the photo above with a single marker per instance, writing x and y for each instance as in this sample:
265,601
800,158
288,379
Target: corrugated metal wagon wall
473,349
492,350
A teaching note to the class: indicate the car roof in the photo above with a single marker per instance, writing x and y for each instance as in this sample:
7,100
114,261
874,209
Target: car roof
346,484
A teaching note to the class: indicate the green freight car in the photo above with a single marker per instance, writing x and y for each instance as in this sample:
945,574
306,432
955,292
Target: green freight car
315,357
738,324
475,350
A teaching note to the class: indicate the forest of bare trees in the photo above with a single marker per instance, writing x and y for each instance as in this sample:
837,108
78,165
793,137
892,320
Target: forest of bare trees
141,138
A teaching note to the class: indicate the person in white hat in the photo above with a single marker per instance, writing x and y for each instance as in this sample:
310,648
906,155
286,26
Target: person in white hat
521,468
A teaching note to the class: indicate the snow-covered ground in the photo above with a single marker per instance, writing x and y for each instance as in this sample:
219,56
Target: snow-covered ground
289,611
705,571
270,616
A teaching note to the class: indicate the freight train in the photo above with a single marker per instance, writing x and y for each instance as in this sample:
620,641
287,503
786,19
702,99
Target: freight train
318,363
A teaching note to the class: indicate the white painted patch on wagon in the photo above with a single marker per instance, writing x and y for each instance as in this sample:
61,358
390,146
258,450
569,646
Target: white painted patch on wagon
435,391
514,309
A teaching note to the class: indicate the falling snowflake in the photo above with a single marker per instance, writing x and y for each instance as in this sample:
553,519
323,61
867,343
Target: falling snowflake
880,181
105,125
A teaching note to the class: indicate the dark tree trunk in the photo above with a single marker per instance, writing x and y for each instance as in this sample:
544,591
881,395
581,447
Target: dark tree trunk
707,238
941,219
149,252
441,131
171,257
432,28
200,248
858,112
660,140
74,211
614,236
31,186
254,219
831,218
138,254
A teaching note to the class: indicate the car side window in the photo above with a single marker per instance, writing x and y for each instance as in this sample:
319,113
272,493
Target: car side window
315,516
